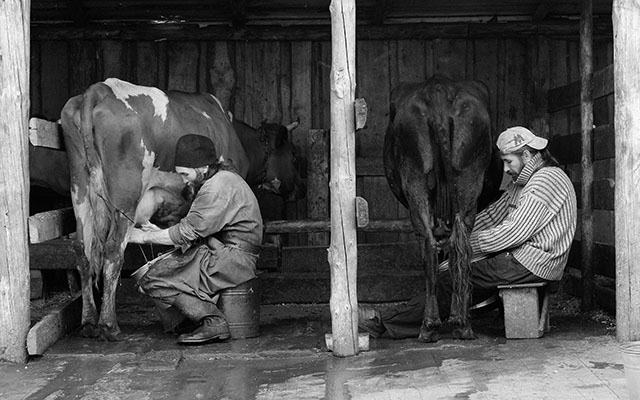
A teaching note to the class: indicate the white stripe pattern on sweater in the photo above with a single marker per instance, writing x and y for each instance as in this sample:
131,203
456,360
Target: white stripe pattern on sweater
535,222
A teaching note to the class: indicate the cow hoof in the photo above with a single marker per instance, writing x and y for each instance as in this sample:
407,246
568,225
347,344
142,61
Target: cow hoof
455,321
428,336
464,334
89,331
110,335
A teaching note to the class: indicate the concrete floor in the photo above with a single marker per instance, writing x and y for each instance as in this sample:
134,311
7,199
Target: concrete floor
578,359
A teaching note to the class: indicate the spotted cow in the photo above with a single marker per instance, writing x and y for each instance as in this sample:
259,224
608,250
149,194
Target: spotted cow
120,140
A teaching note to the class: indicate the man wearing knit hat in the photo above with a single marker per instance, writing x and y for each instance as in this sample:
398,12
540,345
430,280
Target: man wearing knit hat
218,243
524,237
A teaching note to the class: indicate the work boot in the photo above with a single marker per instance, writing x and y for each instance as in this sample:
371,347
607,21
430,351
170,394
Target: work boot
369,320
185,326
212,328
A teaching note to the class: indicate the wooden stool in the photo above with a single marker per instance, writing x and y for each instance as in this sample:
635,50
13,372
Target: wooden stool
524,317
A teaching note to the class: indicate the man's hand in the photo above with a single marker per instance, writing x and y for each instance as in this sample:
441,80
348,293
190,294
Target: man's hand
149,233
137,236
149,227
442,244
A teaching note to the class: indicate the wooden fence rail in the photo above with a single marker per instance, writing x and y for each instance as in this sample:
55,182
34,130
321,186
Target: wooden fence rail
302,226
47,227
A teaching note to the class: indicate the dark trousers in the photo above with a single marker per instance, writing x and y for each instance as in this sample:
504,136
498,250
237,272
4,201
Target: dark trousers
486,275
172,310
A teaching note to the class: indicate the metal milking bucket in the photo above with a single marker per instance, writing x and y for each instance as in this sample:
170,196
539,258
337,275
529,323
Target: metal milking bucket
631,357
241,307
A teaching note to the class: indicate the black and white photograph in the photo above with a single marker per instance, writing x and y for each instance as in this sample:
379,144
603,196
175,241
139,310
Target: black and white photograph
319,199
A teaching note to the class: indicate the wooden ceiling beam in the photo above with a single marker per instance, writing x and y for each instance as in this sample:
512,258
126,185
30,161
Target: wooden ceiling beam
542,11
143,31
77,12
238,12
380,11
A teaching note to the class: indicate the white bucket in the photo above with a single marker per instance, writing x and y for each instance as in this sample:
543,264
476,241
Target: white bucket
631,358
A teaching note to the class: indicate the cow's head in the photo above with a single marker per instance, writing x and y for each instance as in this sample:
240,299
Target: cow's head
282,176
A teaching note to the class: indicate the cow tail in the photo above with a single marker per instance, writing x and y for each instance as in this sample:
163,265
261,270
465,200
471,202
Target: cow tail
100,216
90,98
459,258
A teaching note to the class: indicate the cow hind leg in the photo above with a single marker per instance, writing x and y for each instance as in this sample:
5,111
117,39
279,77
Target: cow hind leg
420,217
89,319
460,269
108,329
114,256
89,310
416,194
431,319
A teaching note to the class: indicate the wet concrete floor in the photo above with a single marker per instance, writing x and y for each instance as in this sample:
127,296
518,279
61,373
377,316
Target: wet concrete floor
578,359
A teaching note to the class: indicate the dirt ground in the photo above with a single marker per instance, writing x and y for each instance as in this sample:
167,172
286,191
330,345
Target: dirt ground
578,359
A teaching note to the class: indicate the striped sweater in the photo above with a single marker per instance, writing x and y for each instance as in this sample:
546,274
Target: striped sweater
535,220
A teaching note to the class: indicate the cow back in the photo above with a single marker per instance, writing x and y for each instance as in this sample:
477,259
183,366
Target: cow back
121,140
439,142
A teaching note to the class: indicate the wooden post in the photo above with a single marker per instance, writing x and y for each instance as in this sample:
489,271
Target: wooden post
318,182
586,115
343,251
14,170
626,24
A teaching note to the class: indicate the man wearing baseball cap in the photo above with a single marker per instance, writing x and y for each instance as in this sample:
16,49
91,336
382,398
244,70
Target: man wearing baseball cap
524,237
218,241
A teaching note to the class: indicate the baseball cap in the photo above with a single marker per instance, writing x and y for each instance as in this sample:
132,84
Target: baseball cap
517,137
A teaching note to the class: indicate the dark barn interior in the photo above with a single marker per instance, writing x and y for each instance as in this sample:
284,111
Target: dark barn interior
270,60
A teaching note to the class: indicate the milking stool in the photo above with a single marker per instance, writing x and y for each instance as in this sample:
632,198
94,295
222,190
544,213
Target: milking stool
526,309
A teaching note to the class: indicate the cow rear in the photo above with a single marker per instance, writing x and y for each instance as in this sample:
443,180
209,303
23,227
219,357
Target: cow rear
437,148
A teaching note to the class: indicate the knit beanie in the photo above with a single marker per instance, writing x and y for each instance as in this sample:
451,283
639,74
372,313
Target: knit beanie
194,151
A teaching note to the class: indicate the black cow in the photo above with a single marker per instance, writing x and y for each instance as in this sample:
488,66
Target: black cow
272,159
437,148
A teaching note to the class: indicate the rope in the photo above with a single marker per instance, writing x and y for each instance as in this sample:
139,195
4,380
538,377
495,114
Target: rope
110,204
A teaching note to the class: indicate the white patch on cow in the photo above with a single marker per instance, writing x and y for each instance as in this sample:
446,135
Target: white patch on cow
123,90
82,210
221,159
217,101
147,166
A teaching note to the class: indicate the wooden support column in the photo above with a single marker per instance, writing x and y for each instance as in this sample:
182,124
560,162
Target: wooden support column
343,251
586,115
14,171
626,24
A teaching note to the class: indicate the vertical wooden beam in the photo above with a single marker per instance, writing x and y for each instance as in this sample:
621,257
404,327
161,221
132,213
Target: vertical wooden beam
626,23
146,64
540,72
35,88
586,117
317,182
14,178
222,78
343,251
301,90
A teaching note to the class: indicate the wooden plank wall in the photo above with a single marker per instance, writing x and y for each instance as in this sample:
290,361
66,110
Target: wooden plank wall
564,118
282,81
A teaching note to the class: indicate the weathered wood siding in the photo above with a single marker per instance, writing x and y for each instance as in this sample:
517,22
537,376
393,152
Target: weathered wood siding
285,80
564,118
